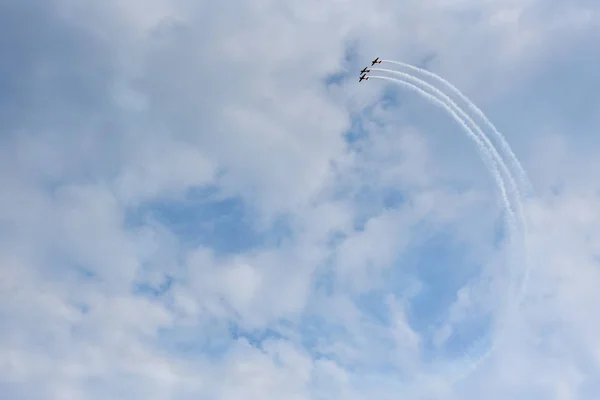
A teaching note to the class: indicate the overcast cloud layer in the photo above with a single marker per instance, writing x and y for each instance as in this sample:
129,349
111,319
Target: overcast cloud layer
199,201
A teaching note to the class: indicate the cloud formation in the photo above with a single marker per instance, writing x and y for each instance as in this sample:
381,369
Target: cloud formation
200,202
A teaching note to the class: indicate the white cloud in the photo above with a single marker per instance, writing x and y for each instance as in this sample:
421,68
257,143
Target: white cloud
362,261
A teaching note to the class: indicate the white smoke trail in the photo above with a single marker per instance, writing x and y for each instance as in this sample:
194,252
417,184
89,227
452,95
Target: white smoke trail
416,81
490,157
496,156
524,181
521,172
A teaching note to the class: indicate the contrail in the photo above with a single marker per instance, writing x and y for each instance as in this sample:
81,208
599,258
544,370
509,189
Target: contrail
416,81
518,202
486,154
521,172
491,157
523,175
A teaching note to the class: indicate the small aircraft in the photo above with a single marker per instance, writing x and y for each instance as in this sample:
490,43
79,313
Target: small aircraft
366,78
375,61
365,70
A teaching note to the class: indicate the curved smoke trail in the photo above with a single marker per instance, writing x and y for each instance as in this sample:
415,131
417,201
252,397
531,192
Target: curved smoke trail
521,172
483,137
490,161
523,179
496,155
491,157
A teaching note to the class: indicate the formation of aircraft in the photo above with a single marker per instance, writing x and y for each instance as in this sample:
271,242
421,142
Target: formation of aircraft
366,69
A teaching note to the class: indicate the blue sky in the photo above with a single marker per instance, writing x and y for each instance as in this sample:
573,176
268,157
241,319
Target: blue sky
201,202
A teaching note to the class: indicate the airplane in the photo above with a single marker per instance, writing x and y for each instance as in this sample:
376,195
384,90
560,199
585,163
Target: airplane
363,77
375,61
365,70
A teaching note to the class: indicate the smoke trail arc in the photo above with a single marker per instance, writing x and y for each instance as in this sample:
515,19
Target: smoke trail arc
483,137
490,156
516,192
522,175
521,172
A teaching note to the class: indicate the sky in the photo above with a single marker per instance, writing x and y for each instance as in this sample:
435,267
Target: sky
200,201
